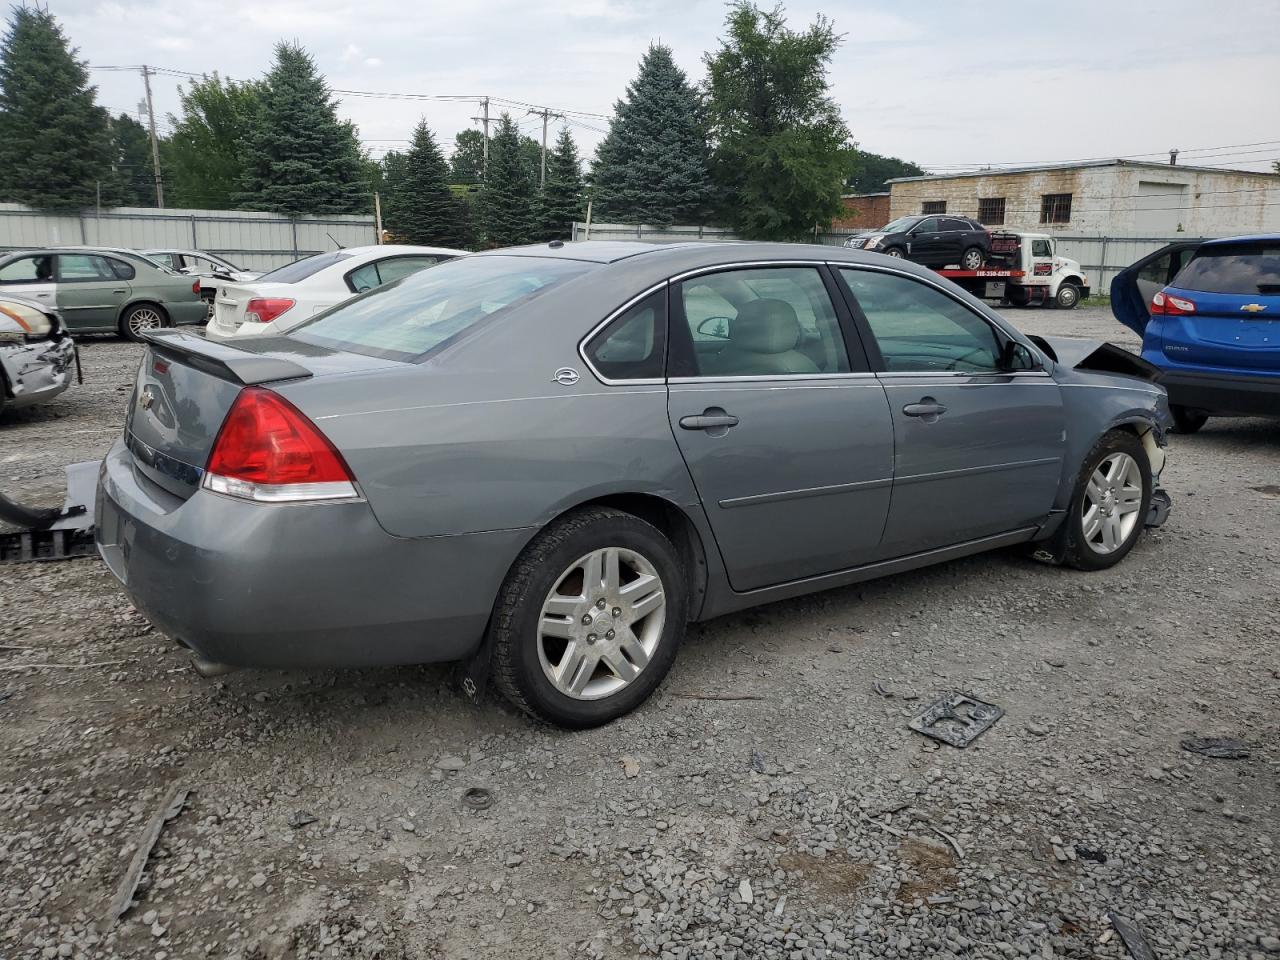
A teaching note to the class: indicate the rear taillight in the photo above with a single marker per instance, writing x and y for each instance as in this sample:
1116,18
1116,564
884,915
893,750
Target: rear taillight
267,450
1165,304
266,309
195,288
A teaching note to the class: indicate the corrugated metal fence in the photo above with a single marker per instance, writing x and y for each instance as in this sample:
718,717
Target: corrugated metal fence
1101,257
256,241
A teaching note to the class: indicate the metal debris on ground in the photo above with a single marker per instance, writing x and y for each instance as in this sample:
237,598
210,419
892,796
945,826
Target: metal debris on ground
757,761
52,533
957,719
171,806
300,818
1084,853
1132,936
477,798
880,689
1219,748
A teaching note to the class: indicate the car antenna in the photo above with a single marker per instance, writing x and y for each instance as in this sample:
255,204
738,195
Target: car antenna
334,239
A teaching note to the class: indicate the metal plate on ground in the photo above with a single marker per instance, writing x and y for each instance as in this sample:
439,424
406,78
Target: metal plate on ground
957,719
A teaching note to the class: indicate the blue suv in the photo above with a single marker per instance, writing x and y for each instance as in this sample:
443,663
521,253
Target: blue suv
1209,317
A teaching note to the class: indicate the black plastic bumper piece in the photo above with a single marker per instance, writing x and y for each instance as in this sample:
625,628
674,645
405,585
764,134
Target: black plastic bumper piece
1158,512
1224,394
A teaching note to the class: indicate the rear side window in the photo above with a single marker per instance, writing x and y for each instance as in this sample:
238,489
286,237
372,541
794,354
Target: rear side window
633,346
406,320
1247,269
122,270
301,269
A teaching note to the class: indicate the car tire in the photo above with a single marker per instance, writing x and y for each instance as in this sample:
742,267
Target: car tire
140,317
548,623
896,252
1099,531
972,259
1068,296
1186,420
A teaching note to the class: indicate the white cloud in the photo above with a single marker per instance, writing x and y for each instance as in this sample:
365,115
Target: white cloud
374,62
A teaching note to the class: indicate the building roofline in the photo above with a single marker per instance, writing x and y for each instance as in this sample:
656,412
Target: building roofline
861,196
1047,167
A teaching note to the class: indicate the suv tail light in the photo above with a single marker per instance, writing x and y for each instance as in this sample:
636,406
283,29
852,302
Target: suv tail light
1167,305
195,288
266,309
267,450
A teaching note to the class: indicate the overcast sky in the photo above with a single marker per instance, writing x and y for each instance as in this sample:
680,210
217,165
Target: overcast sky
937,83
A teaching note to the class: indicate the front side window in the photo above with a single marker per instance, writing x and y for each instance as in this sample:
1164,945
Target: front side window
927,226
28,270
82,267
920,329
633,346
765,321
406,320
1055,208
1041,248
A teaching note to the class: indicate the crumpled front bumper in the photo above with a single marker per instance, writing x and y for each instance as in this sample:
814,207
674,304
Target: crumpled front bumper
36,372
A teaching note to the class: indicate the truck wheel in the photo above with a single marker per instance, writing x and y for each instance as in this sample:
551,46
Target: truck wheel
896,252
589,619
972,259
1016,295
1185,420
1068,296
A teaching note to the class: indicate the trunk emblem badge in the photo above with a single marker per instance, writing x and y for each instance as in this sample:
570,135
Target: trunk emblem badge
566,376
147,399
1254,307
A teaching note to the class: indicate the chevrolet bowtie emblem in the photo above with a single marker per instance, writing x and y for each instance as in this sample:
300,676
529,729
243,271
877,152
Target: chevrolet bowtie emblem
1254,307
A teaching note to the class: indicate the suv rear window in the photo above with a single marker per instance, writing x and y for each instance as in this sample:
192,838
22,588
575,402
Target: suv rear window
408,318
301,269
1247,269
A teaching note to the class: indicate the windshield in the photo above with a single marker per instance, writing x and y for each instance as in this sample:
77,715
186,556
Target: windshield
899,225
406,319
1247,269
301,269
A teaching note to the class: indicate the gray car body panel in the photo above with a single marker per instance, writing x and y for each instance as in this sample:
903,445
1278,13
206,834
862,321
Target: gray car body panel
34,372
475,448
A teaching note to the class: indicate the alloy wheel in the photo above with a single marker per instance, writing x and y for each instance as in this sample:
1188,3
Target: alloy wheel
972,260
601,623
144,318
1112,502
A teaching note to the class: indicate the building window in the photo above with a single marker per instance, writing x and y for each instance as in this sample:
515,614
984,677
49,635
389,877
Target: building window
991,210
1055,208
933,206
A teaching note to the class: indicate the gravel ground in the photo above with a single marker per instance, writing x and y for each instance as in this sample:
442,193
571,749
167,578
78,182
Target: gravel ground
325,818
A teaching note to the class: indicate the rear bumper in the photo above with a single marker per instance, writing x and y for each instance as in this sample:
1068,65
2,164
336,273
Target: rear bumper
295,585
35,372
1224,394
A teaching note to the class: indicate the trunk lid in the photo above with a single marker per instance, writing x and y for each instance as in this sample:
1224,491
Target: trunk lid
231,299
1227,330
186,384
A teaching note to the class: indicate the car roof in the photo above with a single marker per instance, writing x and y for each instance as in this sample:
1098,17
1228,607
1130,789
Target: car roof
394,248
1250,238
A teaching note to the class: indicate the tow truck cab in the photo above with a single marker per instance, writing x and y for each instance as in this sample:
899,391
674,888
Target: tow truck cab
1025,269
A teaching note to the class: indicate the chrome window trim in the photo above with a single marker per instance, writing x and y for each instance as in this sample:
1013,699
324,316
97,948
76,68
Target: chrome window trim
1018,335
1037,375
759,377
582,344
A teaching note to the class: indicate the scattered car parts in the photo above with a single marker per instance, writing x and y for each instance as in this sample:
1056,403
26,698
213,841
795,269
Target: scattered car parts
957,719
1218,748
36,354
52,533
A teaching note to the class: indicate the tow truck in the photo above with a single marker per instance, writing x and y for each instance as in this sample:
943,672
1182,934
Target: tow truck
1024,269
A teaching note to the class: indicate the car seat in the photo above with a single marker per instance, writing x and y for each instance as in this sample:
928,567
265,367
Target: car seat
762,341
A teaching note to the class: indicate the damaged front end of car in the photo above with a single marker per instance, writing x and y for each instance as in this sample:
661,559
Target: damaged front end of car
37,356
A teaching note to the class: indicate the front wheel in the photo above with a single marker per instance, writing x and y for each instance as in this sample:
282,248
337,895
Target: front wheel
896,252
140,318
1186,420
589,619
1068,296
1110,504
972,259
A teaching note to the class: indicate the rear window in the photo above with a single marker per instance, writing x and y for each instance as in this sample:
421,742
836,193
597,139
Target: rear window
301,269
408,318
1247,269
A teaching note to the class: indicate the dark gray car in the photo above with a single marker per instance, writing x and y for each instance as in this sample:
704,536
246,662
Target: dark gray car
547,460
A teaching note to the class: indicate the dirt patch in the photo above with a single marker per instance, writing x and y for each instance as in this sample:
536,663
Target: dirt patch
834,879
931,867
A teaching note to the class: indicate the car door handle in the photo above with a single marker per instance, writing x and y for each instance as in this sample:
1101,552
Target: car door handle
928,408
709,420
120,291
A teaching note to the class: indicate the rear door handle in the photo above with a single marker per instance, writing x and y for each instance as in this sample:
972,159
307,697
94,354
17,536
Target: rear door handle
927,409
709,421
120,291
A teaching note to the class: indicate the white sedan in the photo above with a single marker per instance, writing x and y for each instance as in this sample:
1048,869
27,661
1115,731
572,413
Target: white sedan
285,297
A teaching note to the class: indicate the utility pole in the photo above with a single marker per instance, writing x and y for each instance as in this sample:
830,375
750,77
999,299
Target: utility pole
1173,157
155,144
546,114
377,215
484,163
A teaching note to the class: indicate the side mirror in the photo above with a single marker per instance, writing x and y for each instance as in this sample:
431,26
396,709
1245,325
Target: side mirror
1015,356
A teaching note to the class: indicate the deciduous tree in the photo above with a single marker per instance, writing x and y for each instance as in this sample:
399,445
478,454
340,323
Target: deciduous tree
204,157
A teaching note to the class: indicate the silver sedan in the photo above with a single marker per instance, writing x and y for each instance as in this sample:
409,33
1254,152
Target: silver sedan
546,461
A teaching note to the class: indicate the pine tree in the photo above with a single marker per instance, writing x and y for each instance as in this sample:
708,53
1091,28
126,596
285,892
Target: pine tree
55,145
506,201
419,206
561,200
204,157
781,147
652,165
298,156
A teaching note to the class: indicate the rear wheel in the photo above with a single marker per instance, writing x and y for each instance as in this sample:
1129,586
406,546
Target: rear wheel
972,259
140,318
1186,420
1110,504
589,619
1068,296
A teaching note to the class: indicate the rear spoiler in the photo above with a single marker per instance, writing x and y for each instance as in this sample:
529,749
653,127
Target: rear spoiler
222,360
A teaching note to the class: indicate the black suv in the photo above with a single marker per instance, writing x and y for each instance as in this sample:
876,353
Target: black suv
934,240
